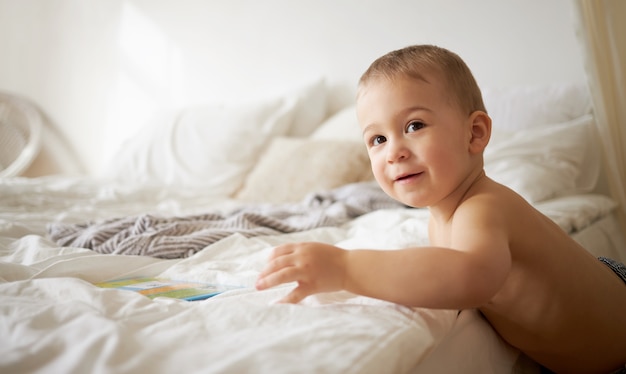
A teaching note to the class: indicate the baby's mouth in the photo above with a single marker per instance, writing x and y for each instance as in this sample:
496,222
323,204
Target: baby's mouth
406,177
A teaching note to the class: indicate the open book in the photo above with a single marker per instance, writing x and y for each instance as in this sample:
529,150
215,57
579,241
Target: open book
162,287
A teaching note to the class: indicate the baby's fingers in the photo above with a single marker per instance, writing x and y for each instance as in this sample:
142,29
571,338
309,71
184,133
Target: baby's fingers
270,278
281,250
295,296
276,263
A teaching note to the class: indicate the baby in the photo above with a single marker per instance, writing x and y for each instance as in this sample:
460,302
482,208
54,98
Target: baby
425,127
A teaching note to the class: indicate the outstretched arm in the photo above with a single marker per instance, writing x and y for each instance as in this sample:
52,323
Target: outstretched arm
425,277
466,274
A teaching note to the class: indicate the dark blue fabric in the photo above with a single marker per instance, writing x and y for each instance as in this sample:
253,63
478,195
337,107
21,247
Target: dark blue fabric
617,267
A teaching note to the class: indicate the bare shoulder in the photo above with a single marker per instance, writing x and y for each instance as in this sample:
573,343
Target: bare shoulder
486,221
495,203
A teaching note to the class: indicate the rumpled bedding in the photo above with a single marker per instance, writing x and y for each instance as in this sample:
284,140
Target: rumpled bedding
182,236
55,320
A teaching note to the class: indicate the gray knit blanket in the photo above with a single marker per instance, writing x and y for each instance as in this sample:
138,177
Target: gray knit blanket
178,237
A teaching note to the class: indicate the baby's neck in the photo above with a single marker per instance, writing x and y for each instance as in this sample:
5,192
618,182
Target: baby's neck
443,211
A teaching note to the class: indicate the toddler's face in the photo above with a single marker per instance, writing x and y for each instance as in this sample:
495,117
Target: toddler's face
417,139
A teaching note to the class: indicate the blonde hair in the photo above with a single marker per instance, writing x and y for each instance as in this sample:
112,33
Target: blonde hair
419,60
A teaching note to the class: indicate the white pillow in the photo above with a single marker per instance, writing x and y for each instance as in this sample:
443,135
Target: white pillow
209,146
214,146
311,108
543,162
343,125
518,108
291,168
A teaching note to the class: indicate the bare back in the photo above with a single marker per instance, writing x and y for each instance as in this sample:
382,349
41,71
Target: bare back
559,305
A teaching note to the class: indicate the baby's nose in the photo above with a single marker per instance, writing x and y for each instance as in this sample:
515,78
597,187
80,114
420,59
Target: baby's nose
397,151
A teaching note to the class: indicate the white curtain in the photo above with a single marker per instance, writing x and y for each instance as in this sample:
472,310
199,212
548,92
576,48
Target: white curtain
602,32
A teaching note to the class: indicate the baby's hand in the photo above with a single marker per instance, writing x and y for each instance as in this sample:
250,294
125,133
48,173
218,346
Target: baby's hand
316,267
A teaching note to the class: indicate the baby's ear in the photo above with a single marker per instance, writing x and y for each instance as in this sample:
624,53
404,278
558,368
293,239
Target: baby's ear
480,123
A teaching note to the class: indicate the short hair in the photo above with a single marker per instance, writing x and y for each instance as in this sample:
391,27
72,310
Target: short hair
418,60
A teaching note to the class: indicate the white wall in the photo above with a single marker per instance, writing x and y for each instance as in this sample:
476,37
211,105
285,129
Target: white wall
100,68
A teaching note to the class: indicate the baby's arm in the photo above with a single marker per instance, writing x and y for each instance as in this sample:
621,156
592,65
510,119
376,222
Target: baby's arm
467,274
431,277
427,276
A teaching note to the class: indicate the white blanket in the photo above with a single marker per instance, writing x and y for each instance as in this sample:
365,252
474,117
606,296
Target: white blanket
54,320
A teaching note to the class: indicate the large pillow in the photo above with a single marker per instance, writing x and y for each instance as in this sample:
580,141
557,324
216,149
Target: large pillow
544,162
311,108
214,146
342,125
293,167
521,107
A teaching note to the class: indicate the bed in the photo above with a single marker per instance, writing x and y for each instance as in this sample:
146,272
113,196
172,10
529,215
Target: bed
286,158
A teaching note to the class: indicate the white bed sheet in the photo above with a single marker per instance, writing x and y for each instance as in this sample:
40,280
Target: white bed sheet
55,320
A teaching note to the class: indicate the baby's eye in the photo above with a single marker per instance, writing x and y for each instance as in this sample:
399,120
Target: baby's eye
414,126
378,139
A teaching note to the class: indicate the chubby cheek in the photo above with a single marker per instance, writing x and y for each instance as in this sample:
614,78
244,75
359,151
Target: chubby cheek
378,169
